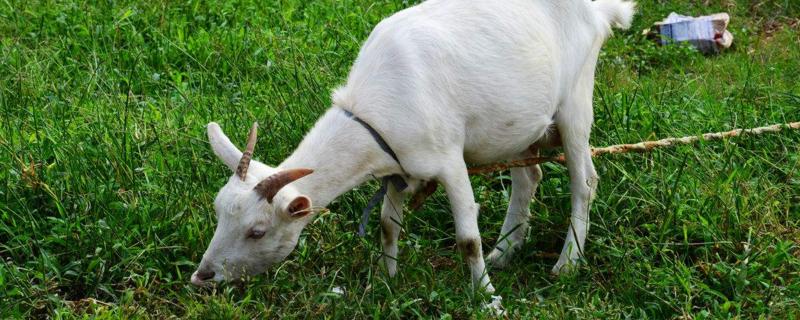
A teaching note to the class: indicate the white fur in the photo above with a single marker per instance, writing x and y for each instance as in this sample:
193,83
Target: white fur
445,83
618,13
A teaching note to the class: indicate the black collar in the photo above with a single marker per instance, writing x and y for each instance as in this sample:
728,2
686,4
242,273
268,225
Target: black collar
375,135
397,180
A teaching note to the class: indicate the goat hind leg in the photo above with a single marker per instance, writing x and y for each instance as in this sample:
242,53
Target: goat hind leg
583,184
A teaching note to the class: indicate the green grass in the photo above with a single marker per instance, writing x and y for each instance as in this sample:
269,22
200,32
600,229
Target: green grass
107,181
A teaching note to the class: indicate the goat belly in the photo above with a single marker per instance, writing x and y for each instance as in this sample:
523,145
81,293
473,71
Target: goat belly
505,140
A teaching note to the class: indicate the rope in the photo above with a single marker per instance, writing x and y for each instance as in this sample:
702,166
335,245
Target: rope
421,195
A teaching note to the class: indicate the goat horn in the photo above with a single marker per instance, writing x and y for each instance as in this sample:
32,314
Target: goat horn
270,186
247,155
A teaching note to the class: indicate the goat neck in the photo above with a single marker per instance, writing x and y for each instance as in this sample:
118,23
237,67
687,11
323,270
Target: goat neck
342,154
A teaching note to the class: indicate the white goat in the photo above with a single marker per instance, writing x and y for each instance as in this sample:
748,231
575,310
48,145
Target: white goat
444,83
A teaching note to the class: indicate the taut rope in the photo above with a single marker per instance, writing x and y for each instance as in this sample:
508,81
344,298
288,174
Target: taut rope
421,195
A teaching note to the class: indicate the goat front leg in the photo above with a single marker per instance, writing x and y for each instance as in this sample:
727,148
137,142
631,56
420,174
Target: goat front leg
515,227
465,213
391,224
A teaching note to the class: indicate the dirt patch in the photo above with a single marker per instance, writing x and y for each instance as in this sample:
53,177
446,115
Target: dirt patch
441,262
773,26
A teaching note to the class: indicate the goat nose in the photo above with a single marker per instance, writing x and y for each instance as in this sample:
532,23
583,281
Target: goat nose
205,275
200,276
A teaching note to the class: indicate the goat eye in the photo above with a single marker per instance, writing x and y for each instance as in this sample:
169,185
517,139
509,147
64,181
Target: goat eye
255,234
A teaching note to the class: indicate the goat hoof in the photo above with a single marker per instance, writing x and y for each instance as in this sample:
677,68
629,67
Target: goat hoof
391,270
498,259
564,268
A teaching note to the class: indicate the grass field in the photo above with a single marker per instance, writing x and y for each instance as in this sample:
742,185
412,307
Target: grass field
107,180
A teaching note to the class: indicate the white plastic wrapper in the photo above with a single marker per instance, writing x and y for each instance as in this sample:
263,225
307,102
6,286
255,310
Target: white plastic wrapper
708,34
338,290
496,306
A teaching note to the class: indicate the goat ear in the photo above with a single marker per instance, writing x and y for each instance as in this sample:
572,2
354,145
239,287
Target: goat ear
299,207
222,146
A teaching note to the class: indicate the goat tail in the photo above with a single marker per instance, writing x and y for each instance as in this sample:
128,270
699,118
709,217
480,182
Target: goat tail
615,13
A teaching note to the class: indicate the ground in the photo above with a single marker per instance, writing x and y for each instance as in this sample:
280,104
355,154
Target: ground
107,181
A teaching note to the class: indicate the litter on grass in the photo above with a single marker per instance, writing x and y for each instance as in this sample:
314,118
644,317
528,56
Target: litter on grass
708,34
496,306
338,290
